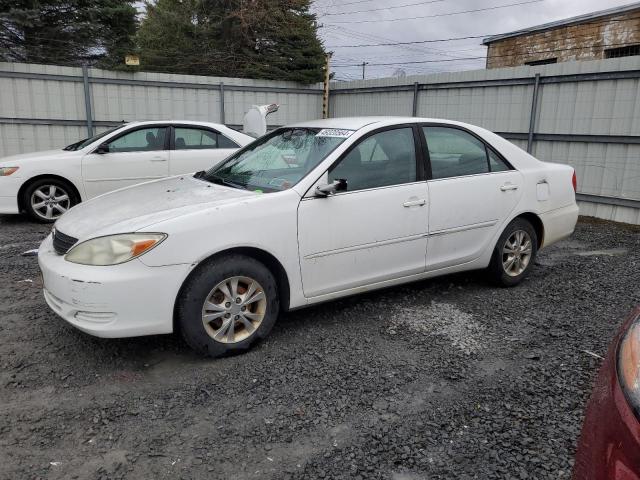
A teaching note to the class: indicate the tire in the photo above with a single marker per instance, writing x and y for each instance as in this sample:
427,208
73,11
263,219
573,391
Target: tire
56,197
220,326
509,269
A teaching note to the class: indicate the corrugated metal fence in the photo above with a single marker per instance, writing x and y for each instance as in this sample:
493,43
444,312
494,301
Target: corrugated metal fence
586,114
43,106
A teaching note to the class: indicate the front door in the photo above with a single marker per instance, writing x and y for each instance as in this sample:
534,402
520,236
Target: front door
472,191
374,231
133,157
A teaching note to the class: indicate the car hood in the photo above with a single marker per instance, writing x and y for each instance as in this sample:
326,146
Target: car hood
21,159
134,208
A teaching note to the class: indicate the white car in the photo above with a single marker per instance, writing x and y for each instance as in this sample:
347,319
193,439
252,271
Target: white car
46,184
305,214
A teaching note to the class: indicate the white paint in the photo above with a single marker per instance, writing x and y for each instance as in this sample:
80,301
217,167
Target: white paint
329,247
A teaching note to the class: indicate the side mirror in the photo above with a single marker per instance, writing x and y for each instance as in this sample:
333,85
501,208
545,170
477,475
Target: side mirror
104,148
324,190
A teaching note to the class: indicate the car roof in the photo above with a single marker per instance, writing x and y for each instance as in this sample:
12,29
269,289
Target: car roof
163,122
356,123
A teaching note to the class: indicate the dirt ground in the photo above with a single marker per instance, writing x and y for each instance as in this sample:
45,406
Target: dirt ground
446,378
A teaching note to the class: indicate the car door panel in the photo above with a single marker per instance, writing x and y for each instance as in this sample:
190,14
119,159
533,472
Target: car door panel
464,214
104,172
373,238
374,233
472,191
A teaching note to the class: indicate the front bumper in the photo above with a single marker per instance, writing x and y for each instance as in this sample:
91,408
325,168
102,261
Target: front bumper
609,446
126,300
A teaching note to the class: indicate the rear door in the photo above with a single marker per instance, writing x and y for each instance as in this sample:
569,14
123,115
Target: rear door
472,191
134,156
195,148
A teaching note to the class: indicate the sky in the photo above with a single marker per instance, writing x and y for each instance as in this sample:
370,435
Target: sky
357,22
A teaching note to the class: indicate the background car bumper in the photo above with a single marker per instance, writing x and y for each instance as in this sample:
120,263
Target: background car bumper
9,188
124,300
609,446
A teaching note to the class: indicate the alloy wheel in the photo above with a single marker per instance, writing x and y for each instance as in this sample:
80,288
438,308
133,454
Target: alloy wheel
516,253
234,309
50,202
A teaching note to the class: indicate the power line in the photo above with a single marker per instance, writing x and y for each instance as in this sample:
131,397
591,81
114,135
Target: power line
440,14
417,42
472,37
483,57
347,3
345,31
382,8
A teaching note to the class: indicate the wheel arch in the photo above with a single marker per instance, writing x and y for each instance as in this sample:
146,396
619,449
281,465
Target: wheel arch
262,256
537,224
26,184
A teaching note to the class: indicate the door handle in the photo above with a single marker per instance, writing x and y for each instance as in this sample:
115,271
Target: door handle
414,203
158,159
507,186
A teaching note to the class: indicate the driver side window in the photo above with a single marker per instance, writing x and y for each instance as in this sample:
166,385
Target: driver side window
380,160
141,140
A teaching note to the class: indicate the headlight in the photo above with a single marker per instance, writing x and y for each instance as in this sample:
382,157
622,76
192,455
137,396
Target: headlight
114,249
6,171
629,364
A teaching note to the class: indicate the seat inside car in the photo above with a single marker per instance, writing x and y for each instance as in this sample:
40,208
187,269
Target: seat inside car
180,143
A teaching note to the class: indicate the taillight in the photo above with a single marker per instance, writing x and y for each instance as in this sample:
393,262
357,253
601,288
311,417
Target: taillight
574,182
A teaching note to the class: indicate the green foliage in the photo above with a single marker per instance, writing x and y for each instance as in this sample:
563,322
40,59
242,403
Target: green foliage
67,32
268,39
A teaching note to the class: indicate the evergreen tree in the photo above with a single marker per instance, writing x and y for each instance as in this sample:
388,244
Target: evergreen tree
67,32
269,39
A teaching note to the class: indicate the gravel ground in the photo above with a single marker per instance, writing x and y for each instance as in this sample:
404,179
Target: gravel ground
447,378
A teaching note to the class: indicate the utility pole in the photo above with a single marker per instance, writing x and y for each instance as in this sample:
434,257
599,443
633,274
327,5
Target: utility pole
325,93
363,65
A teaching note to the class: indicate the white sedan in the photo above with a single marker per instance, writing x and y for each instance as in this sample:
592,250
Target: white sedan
305,214
46,184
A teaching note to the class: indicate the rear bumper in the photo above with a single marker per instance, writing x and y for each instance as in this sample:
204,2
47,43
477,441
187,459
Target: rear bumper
9,188
609,446
124,300
559,223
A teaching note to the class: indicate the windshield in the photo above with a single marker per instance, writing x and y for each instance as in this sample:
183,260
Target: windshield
278,160
89,141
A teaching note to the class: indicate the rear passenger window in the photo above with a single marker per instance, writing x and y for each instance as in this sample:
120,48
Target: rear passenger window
198,139
454,152
383,159
496,163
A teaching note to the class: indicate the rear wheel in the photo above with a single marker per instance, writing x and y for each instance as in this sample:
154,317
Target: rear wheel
514,253
227,305
47,199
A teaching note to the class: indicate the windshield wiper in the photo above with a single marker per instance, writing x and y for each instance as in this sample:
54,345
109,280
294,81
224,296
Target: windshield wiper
217,180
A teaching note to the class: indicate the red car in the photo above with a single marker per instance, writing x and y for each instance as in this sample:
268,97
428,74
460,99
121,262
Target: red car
609,446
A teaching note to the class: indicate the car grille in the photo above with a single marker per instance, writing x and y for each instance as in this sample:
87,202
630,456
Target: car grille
62,243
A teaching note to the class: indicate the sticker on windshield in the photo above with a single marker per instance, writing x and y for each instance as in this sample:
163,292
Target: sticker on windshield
334,132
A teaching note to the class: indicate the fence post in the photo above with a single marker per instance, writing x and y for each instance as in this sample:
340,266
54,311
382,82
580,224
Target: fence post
414,112
534,109
87,100
222,102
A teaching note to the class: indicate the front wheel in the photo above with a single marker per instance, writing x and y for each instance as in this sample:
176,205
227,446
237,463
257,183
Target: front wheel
228,304
514,254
